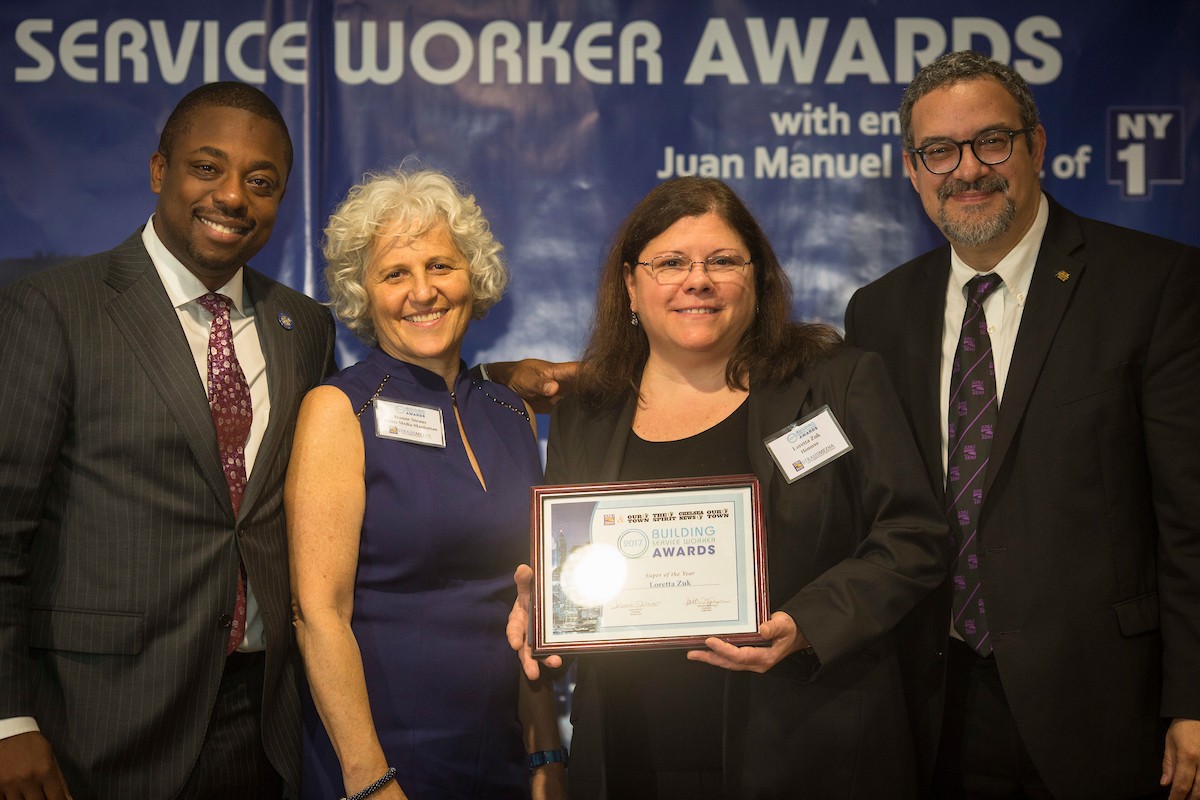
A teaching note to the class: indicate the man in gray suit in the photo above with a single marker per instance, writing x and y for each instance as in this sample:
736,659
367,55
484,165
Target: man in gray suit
127,553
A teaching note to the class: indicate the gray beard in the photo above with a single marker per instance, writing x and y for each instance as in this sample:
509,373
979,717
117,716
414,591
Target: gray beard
979,228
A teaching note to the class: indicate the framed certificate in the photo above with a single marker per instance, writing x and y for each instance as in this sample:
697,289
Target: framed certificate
647,564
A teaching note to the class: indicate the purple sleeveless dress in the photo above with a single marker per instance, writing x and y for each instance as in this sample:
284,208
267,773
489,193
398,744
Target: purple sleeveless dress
434,588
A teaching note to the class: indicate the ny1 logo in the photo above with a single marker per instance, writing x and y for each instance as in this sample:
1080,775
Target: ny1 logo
1145,146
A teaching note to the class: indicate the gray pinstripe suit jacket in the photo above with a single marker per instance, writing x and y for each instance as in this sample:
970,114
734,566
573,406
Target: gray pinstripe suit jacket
118,545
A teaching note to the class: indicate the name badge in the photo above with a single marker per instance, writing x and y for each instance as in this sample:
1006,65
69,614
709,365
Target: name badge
407,422
808,444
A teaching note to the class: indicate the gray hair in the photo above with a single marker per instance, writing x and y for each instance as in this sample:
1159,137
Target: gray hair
421,200
966,65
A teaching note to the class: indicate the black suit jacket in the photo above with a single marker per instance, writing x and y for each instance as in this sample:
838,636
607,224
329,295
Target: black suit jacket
851,548
1091,516
118,545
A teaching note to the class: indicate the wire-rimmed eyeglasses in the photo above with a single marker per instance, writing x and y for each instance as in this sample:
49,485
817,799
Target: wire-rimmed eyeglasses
670,270
990,147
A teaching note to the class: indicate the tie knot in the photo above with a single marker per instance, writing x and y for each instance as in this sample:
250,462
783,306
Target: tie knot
979,287
215,303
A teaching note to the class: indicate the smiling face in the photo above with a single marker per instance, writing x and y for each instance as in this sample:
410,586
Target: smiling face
420,297
699,317
219,191
982,210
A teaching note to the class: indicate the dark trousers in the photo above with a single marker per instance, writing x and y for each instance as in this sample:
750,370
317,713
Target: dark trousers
232,763
634,784
981,754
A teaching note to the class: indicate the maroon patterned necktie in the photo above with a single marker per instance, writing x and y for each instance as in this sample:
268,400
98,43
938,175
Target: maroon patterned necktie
970,425
229,399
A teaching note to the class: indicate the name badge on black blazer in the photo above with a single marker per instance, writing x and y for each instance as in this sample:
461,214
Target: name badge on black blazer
808,444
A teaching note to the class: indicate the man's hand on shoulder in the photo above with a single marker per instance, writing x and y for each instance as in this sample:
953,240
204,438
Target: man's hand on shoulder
539,383
28,768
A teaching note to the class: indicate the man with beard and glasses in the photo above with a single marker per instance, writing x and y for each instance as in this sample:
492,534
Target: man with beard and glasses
1049,367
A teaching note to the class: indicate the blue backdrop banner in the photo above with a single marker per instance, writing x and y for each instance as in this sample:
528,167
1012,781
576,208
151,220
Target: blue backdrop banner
560,115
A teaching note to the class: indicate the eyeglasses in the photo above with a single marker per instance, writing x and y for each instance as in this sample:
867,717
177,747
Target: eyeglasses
669,270
990,147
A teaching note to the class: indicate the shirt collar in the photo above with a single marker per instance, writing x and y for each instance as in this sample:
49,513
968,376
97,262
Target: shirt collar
1016,268
182,286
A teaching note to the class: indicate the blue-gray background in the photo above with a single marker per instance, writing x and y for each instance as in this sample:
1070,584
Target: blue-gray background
562,131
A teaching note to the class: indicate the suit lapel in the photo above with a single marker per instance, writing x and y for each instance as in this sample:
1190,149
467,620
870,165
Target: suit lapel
1049,296
143,313
923,353
771,409
617,437
281,378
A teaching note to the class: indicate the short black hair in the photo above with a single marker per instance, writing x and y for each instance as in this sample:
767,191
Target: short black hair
223,94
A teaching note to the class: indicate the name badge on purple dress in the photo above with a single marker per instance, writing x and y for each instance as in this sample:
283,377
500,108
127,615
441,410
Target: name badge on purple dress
409,422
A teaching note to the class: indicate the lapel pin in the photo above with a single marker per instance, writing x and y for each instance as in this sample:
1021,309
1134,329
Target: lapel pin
1062,275
285,320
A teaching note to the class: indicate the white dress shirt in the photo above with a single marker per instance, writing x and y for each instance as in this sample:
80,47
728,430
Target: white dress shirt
1002,308
185,290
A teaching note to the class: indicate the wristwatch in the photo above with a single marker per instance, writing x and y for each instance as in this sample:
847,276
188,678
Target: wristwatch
543,757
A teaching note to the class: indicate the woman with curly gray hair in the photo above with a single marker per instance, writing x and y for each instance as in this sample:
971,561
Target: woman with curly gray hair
407,506
406,204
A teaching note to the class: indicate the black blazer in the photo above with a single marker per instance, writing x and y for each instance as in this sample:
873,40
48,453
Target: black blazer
118,546
1091,515
851,548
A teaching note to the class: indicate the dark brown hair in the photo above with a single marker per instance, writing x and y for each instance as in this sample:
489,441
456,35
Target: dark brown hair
771,350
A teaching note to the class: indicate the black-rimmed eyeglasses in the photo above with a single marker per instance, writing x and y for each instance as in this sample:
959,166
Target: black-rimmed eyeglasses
990,147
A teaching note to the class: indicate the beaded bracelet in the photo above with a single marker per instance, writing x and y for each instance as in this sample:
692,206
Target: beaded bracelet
374,787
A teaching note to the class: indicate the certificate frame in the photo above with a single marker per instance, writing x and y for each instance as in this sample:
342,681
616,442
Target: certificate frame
692,552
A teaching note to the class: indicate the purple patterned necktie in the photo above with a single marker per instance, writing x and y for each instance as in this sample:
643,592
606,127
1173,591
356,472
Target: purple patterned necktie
970,426
229,398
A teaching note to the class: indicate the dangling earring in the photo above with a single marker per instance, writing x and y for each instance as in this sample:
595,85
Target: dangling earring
633,318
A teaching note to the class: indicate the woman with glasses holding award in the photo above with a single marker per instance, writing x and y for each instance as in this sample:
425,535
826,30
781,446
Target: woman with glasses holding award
693,368
407,501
